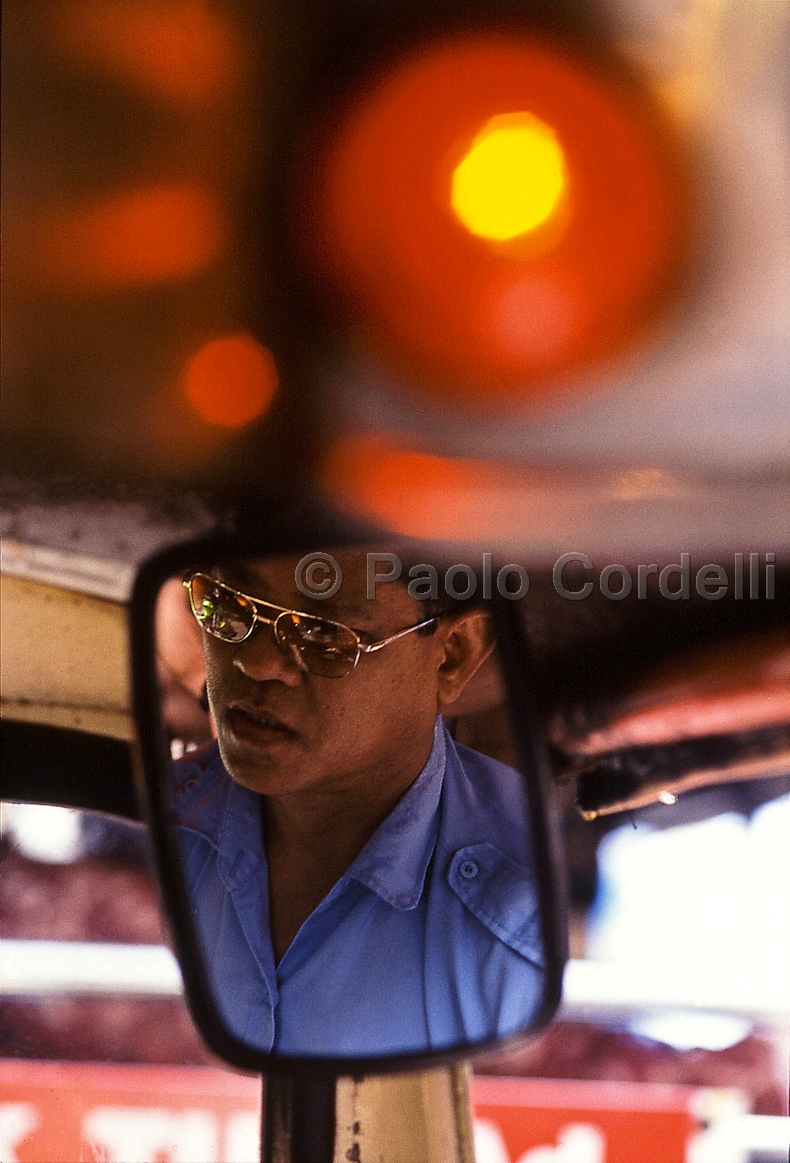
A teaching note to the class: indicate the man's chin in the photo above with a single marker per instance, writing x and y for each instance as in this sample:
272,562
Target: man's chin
265,778
259,760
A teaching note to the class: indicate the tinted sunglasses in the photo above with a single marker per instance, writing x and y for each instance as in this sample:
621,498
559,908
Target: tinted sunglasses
317,645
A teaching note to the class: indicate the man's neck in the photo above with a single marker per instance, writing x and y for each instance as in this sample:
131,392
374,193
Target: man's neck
312,839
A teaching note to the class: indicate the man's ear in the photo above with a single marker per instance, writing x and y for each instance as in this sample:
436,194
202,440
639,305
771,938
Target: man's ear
467,640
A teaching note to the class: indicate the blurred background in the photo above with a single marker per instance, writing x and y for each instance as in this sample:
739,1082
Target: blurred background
202,299
184,295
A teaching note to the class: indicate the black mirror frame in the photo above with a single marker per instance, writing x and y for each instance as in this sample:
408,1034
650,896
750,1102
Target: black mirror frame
531,744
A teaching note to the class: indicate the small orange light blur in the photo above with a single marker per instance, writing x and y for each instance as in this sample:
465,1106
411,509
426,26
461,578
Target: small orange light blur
422,495
492,214
410,492
460,499
231,380
177,50
133,238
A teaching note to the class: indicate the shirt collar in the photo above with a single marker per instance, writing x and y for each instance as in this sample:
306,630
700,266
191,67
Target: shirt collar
392,864
394,861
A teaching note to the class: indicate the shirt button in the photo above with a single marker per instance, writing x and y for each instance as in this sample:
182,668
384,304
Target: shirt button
468,869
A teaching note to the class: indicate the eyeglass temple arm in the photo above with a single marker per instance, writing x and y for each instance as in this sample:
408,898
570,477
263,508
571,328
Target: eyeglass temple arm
374,646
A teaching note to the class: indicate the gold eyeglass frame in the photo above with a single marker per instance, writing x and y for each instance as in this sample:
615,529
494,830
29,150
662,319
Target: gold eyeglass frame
289,649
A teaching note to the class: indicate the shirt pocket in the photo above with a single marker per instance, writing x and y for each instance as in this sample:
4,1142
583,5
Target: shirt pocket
501,894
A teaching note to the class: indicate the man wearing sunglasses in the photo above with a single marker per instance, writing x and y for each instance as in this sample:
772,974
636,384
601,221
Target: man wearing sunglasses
361,885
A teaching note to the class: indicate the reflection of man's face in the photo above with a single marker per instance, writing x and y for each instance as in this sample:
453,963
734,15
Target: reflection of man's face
282,730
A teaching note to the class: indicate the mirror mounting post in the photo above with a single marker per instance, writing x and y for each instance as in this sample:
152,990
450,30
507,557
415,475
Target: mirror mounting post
298,1118
319,1118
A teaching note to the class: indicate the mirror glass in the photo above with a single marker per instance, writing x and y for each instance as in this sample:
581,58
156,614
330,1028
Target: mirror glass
352,825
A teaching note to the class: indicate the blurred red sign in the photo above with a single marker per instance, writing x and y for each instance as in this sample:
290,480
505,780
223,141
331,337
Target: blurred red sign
533,1120
60,1112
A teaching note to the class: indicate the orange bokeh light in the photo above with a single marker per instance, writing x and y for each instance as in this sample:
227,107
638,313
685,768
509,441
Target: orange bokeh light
179,50
479,316
231,380
459,499
410,492
136,237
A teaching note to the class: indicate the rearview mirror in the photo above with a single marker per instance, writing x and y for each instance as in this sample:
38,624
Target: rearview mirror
350,807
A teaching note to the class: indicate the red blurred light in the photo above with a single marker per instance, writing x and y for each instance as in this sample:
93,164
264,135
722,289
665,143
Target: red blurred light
459,499
473,314
133,238
231,380
416,493
178,50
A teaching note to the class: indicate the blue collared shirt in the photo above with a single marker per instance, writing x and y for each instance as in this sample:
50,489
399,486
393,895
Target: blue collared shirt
431,938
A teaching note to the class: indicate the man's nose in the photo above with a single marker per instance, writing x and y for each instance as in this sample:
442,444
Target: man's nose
260,658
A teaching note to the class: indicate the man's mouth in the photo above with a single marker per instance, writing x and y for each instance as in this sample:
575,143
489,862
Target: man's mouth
256,725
